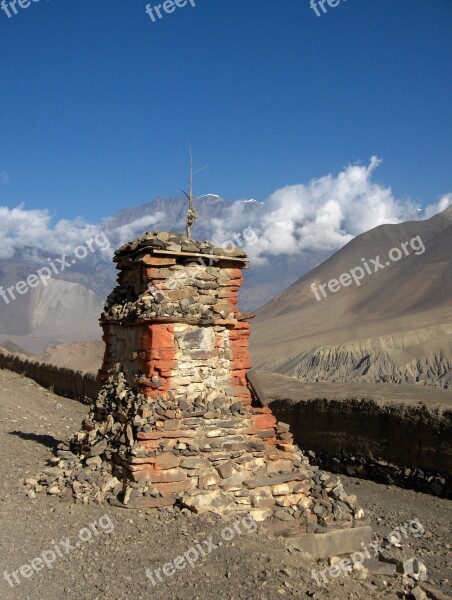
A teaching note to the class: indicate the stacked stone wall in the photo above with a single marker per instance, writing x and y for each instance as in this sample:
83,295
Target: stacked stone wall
185,428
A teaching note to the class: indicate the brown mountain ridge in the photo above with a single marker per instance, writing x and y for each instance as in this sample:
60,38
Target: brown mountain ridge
396,326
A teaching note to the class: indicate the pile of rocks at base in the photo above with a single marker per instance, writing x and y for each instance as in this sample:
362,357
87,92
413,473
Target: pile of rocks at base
155,453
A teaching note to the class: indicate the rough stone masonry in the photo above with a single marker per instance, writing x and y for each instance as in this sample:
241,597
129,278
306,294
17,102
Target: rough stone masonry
175,423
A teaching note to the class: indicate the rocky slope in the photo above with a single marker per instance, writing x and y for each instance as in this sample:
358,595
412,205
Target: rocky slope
59,312
80,356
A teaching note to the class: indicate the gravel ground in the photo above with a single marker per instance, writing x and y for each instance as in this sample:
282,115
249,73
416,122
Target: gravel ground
123,544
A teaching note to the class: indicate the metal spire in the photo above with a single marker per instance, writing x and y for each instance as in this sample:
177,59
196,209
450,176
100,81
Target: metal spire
192,215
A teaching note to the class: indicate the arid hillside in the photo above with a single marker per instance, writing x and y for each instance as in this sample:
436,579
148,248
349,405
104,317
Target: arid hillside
391,324
80,356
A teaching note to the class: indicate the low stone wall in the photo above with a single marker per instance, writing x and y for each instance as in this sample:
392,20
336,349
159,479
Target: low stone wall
63,381
406,445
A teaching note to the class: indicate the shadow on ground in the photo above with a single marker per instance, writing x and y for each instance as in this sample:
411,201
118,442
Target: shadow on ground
46,440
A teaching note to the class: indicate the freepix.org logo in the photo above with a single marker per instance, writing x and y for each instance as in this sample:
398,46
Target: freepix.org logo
190,558
358,273
10,8
55,267
103,525
316,5
168,7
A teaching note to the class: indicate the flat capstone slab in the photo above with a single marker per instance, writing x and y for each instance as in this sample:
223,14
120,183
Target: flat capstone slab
331,543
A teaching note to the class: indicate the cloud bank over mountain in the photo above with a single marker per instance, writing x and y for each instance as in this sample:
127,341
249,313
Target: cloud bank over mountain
294,230
325,214
318,217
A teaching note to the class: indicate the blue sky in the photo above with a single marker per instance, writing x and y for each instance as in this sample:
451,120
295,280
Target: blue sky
99,104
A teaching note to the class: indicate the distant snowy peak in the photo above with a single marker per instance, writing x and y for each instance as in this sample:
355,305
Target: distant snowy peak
253,201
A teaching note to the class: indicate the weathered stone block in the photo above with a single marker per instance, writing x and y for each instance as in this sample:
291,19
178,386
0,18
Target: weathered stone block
264,421
280,466
289,500
178,487
216,502
226,469
208,479
281,489
332,543
195,462
167,476
255,483
166,460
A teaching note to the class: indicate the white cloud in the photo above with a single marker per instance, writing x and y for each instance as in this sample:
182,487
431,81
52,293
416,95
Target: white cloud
322,215
33,231
433,209
128,232
4,177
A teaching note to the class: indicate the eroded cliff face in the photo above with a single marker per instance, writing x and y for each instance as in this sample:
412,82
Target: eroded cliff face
370,363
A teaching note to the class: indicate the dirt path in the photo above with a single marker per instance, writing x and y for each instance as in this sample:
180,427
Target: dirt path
123,544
